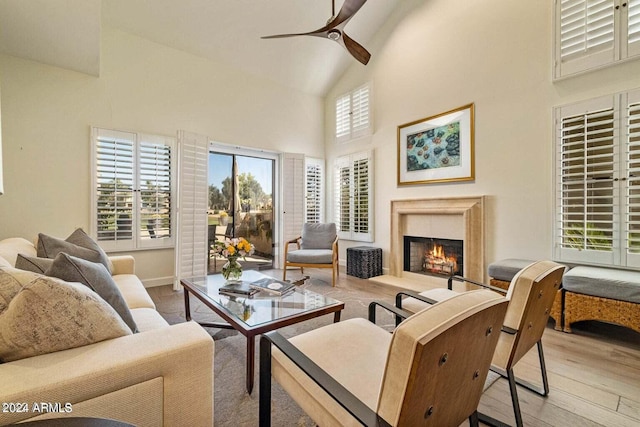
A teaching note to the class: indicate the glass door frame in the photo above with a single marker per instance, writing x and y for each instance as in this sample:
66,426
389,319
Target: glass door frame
222,148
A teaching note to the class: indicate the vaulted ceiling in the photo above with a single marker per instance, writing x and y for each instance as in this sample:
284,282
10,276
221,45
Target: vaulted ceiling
66,33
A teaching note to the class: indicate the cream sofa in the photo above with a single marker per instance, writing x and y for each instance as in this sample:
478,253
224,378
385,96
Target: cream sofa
161,376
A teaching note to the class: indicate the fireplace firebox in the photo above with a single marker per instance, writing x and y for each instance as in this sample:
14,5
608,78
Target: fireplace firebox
431,256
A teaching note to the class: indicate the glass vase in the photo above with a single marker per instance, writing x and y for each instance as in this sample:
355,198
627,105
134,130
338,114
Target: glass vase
232,270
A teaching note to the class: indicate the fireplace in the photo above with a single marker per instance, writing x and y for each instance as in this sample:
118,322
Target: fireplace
454,218
432,256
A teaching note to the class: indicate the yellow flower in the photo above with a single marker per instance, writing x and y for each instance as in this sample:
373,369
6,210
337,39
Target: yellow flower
231,250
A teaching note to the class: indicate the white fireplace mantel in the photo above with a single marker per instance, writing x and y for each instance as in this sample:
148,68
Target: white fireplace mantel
448,218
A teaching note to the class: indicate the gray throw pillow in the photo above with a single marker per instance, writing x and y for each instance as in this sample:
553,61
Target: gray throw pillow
34,264
78,244
96,277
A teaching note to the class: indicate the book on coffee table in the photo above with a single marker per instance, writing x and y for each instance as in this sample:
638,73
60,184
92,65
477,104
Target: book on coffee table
274,286
238,288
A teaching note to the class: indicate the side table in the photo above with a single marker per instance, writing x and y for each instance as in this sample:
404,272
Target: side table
364,261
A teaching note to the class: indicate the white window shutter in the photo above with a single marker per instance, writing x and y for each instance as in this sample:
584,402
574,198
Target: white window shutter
353,114
360,112
156,173
192,239
293,194
631,120
114,172
585,35
314,184
342,195
362,201
632,42
353,196
587,176
343,118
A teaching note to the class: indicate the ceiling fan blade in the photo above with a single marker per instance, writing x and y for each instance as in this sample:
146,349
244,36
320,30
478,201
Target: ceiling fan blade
349,8
281,36
355,49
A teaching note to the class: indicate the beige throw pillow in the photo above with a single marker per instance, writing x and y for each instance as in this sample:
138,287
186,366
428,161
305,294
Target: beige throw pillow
40,315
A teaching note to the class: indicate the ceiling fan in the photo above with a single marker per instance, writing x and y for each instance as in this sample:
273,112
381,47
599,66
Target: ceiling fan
334,30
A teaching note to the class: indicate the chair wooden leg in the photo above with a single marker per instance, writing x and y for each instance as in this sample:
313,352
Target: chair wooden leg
284,273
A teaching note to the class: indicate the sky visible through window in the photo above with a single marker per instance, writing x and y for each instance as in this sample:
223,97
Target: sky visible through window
261,169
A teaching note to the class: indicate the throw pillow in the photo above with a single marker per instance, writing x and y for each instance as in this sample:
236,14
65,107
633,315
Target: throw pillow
34,264
96,277
47,314
78,244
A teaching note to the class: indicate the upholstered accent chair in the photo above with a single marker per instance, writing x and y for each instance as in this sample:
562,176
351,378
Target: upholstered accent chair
317,247
429,371
530,294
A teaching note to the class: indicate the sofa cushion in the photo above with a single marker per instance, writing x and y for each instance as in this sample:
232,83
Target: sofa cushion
311,256
148,319
96,277
11,247
506,269
32,263
45,314
318,236
133,291
78,244
622,285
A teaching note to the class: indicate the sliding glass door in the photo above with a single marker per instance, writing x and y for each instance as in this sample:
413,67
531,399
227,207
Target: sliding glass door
241,205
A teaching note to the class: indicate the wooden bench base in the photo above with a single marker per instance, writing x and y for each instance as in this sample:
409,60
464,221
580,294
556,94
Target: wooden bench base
579,307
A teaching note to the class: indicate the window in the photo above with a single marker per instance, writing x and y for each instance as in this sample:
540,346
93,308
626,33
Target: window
314,181
598,181
353,114
353,194
595,33
133,178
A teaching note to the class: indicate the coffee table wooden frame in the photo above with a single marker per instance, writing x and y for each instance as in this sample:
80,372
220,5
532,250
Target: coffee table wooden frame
250,332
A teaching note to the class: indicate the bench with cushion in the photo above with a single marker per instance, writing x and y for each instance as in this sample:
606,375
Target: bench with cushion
501,273
605,294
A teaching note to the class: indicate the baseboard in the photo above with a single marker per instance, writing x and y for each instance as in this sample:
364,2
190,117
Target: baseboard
157,281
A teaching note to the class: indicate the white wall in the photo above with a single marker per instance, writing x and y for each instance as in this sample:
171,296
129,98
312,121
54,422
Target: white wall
434,56
47,113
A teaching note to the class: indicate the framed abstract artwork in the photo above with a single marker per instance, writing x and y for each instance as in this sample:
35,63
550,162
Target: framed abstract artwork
438,148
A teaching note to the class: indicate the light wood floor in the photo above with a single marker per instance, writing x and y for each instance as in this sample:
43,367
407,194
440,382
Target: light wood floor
594,373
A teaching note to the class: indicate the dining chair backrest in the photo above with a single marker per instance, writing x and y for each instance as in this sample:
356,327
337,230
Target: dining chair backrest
439,359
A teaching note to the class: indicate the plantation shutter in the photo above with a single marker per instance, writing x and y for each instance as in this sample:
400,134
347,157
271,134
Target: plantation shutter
192,240
633,28
155,177
360,112
354,196
114,157
343,118
585,35
292,195
353,114
314,177
362,197
587,182
632,231
342,194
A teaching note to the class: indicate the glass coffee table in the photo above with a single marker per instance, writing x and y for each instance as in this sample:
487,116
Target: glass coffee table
260,313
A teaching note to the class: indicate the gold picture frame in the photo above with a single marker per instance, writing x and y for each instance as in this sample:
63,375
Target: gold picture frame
436,149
